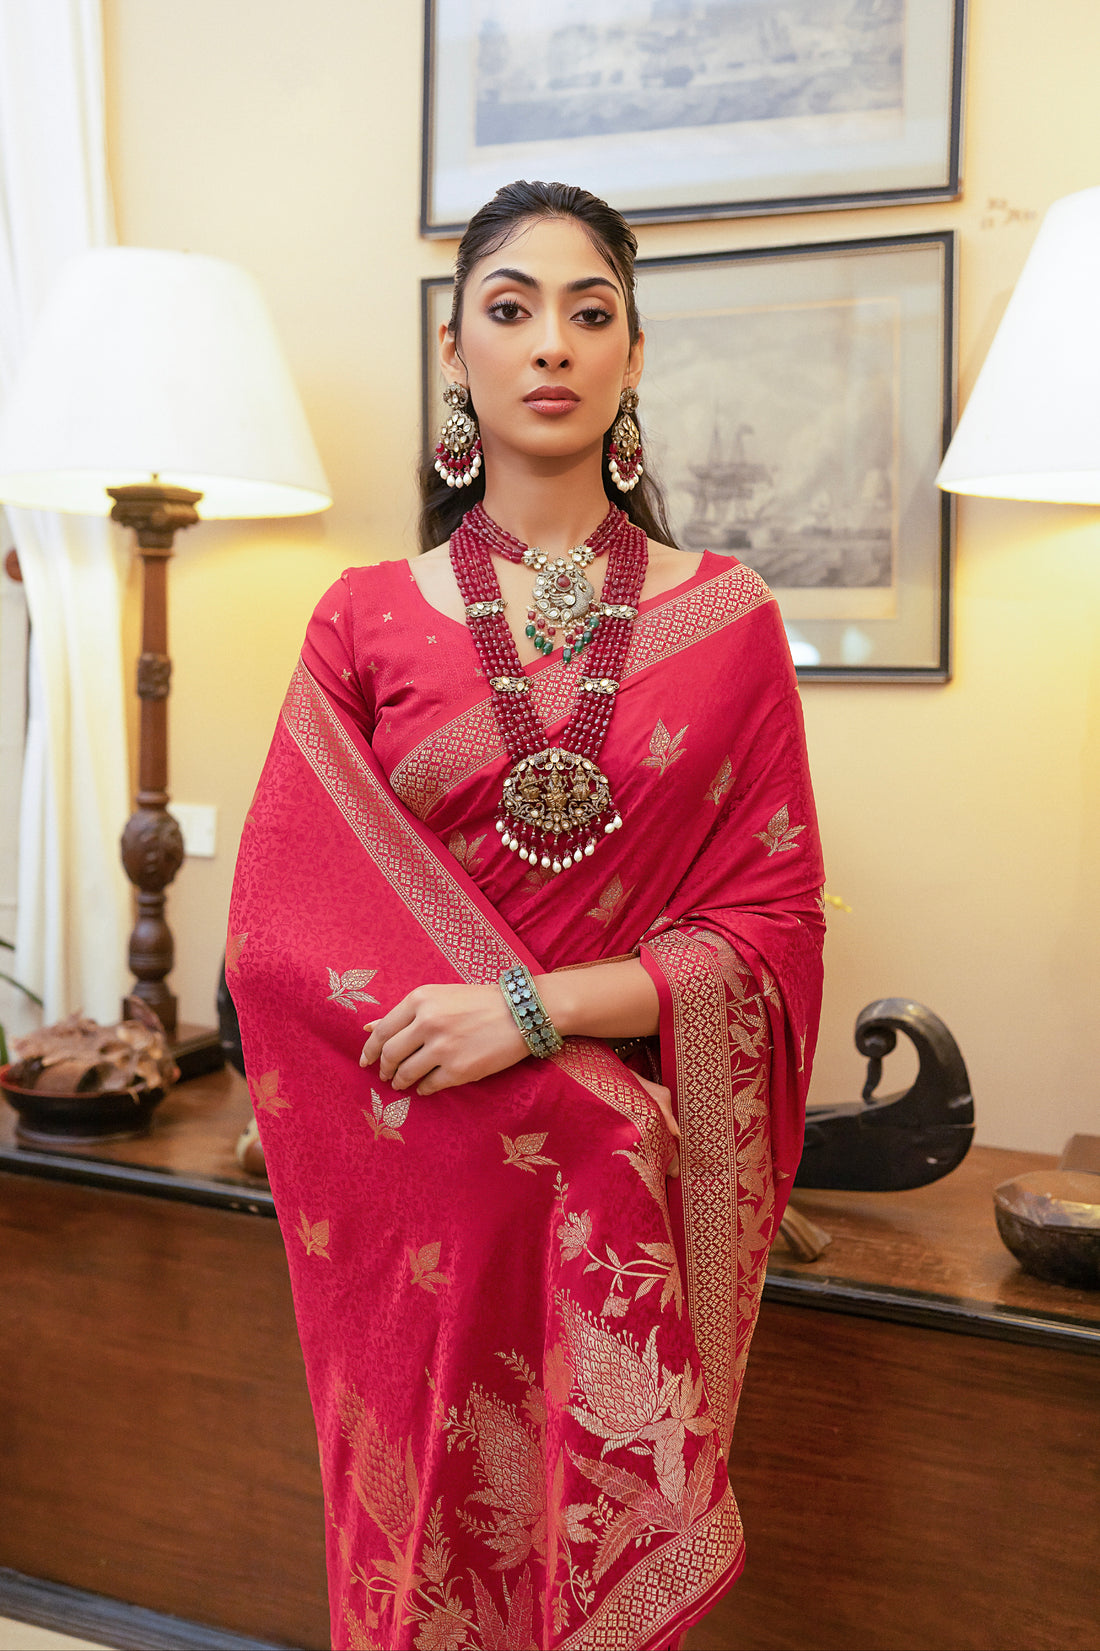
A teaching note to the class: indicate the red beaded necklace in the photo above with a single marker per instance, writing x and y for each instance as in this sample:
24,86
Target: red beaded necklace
556,802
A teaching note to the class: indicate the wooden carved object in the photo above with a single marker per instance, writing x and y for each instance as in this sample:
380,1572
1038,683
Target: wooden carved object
152,847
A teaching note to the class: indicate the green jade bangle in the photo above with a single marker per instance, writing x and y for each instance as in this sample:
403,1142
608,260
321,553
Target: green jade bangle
538,1030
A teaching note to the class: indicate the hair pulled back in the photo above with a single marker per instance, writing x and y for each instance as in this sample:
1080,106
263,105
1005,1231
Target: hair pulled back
442,507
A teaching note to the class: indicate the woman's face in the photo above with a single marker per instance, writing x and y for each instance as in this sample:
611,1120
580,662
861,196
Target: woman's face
543,343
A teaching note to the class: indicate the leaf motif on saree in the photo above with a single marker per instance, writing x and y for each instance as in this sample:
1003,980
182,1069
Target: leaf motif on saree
516,1631
610,900
347,989
466,852
650,1168
721,783
424,1264
525,1152
314,1235
386,1120
265,1094
644,1509
664,748
779,835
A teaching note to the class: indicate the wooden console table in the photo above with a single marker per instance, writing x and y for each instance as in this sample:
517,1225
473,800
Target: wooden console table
915,1456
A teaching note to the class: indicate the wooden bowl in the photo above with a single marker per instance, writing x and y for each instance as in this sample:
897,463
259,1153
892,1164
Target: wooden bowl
1050,1220
82,1119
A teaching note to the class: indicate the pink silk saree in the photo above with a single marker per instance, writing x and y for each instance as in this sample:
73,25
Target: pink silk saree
524,1341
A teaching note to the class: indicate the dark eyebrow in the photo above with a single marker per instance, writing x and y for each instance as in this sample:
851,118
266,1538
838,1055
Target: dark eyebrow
522,279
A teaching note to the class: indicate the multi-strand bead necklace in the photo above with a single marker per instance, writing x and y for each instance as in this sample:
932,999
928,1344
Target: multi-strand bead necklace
556,803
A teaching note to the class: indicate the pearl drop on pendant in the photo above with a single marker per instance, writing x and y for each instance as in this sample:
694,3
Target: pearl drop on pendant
545,862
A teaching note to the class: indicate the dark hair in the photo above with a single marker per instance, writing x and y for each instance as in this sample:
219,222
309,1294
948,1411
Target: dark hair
442,507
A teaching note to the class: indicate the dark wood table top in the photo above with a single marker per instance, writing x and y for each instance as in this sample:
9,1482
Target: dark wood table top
934,1256
188,1154
931,1257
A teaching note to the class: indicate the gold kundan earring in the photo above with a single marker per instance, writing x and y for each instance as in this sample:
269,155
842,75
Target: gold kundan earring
624,452
458,456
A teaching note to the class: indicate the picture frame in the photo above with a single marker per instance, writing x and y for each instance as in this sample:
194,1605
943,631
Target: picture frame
795,405
728,108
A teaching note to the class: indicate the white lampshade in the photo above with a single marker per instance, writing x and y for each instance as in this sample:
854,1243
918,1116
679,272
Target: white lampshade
1031,429
158,364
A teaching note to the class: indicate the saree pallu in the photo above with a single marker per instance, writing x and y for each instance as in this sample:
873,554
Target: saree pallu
524,1341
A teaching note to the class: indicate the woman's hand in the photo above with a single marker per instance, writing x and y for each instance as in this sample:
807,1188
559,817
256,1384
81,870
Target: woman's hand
440,1036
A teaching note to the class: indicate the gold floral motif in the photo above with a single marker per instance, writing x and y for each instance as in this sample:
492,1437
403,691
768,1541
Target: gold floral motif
664,748
265,1095
631,1397
466,852
347,989
657,1264
386,1120
779,835
452,753
423,1266
525,1152
314,1235
510,1471
721,782
646,1509
513,1632
611,900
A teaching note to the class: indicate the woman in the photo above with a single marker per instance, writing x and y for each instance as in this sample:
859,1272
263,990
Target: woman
540,793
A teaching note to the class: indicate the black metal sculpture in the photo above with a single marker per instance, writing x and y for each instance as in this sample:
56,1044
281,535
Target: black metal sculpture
904,1140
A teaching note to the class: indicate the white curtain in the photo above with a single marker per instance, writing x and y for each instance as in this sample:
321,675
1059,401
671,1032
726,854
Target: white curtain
73,914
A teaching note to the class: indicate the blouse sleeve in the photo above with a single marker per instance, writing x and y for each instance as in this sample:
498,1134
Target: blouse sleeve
328,653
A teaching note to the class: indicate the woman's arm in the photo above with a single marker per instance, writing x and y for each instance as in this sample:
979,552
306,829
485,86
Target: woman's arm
440,1036
604,1000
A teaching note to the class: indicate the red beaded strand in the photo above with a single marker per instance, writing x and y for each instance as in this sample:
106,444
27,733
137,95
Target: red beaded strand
522,731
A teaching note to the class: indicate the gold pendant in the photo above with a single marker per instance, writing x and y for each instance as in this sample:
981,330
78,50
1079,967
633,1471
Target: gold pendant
561,593
555,795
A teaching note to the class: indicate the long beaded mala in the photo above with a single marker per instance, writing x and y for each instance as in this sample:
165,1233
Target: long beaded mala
556,803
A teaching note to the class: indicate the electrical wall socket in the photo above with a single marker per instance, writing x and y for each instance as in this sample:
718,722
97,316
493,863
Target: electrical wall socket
199,825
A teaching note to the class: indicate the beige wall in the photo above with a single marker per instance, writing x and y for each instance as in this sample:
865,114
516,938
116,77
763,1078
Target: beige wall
960,822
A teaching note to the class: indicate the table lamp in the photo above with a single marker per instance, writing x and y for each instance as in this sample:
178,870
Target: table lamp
154,389
1031,428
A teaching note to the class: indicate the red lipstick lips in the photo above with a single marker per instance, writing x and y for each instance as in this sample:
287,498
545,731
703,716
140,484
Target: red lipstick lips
553,399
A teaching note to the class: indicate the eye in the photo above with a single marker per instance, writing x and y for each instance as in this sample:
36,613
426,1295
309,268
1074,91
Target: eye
594,315
505,309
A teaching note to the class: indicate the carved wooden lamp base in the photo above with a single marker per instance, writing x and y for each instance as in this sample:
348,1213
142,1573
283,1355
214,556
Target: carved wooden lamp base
152,845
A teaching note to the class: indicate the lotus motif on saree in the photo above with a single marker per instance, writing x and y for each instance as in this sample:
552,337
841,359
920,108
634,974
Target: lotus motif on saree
524,1342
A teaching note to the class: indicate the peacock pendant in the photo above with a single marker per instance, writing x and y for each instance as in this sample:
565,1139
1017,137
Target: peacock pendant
555,807
561,597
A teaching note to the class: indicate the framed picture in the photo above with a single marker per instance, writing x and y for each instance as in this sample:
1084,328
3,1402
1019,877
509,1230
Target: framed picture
796,403
692,108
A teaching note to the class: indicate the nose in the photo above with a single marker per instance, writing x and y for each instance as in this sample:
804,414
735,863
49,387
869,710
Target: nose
552,354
